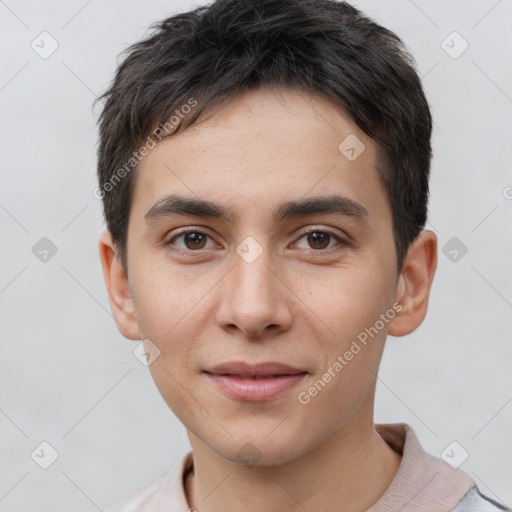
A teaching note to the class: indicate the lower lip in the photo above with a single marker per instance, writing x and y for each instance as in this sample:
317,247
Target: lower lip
254,390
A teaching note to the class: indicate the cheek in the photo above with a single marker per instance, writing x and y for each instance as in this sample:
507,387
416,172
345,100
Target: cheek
344,303
169,304
349,304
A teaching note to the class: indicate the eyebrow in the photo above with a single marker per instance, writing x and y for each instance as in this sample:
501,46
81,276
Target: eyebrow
179,205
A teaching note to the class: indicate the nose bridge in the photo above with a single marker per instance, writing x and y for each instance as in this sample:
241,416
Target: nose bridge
252,279
251,298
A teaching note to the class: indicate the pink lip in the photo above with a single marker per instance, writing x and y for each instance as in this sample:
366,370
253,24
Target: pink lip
258,389
262,381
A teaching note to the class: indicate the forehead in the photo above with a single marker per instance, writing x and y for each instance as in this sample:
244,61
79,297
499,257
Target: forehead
264,147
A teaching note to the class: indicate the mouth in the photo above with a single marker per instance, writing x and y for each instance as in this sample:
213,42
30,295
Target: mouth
242,369
254,377
265,381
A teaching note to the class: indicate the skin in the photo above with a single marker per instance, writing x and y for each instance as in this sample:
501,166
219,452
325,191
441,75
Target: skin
299,302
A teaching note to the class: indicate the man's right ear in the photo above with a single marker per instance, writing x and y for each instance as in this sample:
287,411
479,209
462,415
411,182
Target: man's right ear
119,293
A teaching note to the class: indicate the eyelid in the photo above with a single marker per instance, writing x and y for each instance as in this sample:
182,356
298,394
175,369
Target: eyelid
324,229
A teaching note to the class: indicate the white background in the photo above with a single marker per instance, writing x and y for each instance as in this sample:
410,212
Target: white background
69,378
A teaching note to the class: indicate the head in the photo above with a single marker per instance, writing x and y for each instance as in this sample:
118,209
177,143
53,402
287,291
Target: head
291,138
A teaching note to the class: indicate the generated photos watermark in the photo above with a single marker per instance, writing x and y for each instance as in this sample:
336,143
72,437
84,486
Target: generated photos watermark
304,397
151,141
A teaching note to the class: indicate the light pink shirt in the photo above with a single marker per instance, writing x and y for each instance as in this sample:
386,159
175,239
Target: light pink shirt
423,483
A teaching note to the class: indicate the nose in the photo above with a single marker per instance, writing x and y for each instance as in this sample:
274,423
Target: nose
253,299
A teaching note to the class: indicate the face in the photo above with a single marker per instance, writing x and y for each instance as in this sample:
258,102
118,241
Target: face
292,262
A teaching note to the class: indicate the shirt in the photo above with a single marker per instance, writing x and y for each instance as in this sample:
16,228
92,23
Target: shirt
423,483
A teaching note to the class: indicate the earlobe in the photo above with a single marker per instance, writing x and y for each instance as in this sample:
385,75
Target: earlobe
414,284
118,288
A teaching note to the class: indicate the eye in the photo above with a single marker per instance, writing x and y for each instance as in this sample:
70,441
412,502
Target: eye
320,239
191,239
316,239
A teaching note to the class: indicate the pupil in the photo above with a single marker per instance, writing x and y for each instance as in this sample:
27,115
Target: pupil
195,238
318,238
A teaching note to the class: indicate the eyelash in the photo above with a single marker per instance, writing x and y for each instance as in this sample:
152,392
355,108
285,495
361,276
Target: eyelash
304,232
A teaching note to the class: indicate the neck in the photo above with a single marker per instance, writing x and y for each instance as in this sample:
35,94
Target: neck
351,470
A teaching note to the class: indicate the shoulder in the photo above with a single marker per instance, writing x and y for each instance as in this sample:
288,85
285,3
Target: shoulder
167,489
142,499
475,501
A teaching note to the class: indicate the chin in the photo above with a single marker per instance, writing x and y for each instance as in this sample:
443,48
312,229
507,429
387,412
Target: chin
258,450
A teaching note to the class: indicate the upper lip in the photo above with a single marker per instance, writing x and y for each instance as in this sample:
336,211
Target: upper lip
251,370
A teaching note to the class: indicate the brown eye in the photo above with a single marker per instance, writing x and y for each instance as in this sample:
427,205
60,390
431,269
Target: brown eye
191,240
318,240
194,240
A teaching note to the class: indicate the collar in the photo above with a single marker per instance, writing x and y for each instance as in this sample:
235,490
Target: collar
423,483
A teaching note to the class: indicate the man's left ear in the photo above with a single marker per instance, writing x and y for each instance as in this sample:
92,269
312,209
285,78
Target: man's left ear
414,283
